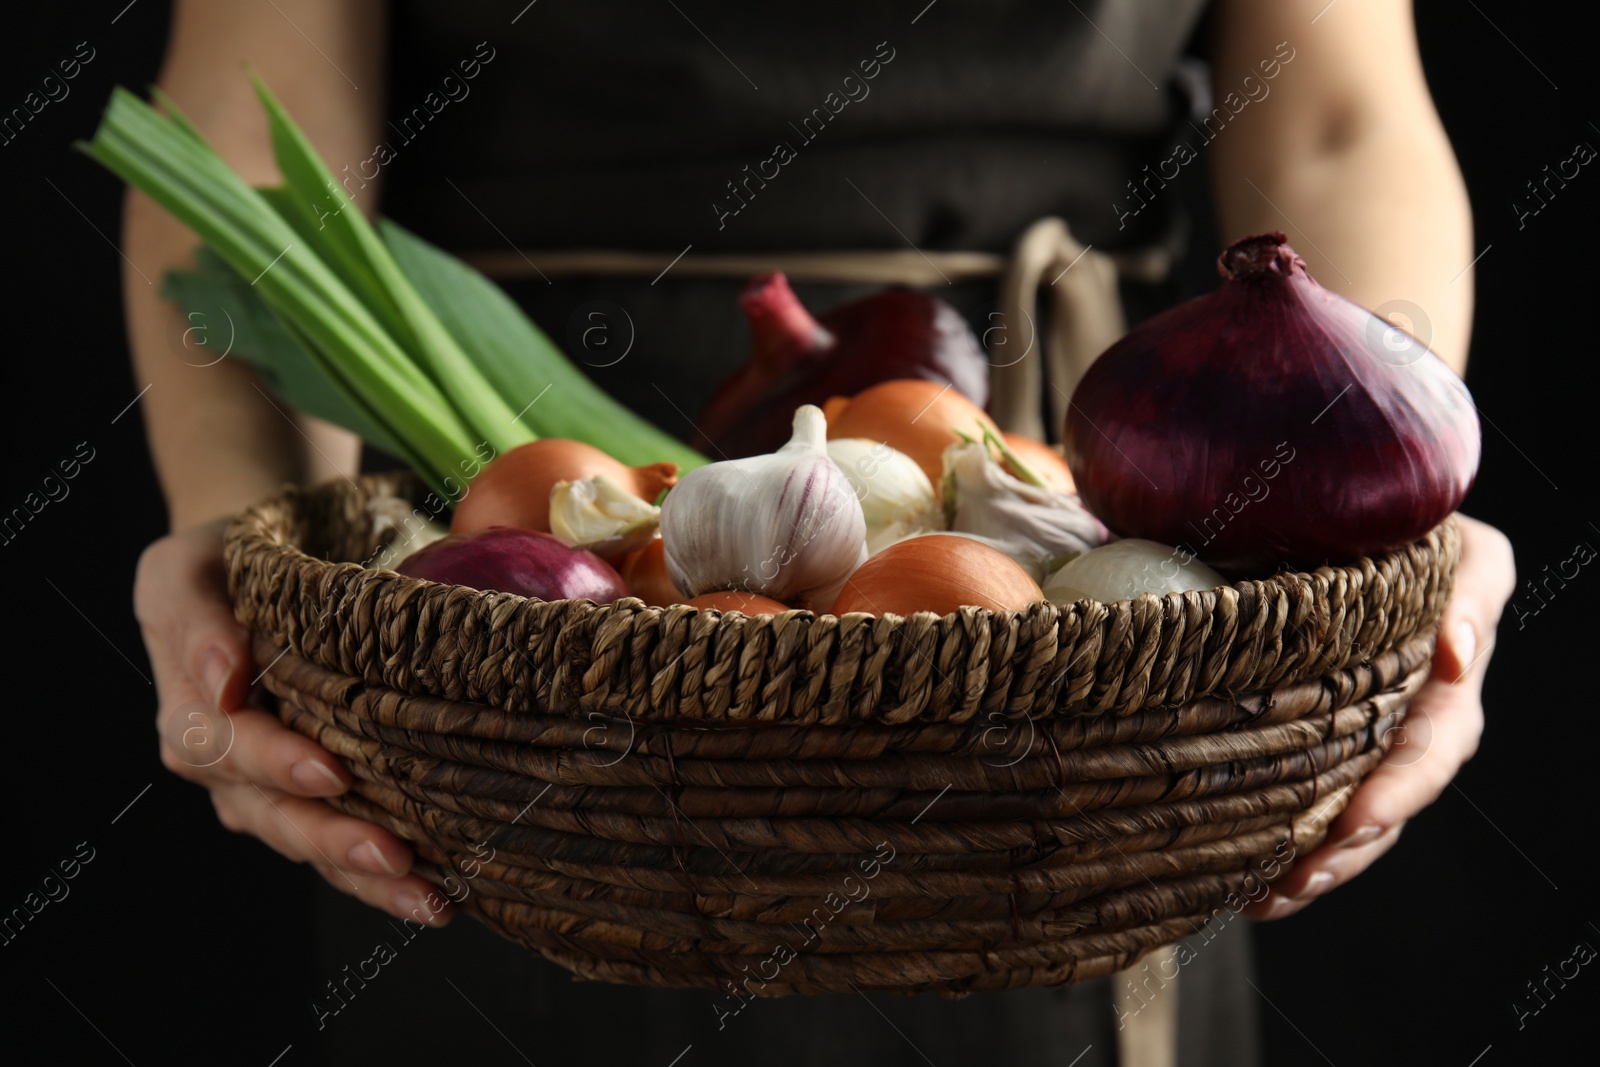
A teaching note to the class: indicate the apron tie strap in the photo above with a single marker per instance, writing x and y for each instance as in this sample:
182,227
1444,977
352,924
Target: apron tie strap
1042,357
1147,1018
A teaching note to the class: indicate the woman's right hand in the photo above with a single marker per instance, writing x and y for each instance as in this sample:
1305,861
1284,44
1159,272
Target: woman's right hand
264,778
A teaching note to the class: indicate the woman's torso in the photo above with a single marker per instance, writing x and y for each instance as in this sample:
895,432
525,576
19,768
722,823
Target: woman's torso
620,126
757,127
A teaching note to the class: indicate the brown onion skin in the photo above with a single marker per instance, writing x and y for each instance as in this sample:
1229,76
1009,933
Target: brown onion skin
909,415
644,571
1043,460
730,600
514,489
940,573
1173,432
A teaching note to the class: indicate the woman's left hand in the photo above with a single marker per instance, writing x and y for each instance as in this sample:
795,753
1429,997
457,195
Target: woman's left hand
1440,733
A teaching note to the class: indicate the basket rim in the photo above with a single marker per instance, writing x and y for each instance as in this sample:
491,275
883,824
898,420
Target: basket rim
1309,610
291,492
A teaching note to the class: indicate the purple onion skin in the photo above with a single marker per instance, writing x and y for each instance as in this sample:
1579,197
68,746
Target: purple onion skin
897,333
525,562
900,333
1172,431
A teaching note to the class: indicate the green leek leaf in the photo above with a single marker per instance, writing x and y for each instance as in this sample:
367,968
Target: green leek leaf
556,398
345,238
229,318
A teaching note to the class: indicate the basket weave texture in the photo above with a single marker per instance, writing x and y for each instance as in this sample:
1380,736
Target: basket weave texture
811,804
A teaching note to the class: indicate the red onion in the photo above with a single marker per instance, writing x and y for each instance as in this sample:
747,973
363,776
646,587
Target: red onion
1269,421
797,360
524,562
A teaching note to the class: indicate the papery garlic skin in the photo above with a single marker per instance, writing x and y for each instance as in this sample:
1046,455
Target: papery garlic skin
598,511
1033,525
785,525
896,497
1126,569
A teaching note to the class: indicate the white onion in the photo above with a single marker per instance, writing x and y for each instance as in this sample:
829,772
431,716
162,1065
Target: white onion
1123,570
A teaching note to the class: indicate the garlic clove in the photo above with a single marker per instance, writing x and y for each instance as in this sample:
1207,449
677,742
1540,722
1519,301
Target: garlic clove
598,514
1033,525
896,497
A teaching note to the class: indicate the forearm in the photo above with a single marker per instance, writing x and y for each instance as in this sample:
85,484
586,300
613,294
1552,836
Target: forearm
216,439
1383,221
220,440
1346,155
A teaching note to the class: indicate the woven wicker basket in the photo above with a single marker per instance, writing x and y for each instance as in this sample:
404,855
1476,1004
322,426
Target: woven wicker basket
802,804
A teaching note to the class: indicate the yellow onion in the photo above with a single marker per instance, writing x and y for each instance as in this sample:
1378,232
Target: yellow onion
918,418
937,573
514,489
644,571
1043,461
732,600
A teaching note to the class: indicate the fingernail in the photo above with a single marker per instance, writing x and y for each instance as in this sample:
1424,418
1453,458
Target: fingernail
1465,638
1364,836
1280,906
369,857
313,776
1315,886
215,667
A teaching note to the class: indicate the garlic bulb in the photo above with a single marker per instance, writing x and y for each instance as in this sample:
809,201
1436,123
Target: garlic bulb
1033,525
598,514
785,525
1123,570
896,497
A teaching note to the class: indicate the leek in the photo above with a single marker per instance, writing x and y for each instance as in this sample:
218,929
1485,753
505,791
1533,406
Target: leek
365,325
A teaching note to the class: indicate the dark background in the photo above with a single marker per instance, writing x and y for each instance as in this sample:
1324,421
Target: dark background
179,936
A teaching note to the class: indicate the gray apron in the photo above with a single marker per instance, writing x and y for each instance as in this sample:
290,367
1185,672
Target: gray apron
622,128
